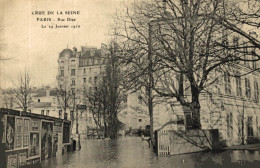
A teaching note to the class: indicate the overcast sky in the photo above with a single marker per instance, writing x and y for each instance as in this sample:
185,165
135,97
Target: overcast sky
37,49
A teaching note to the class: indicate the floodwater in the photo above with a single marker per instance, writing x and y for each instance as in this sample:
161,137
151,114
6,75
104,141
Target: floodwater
132,152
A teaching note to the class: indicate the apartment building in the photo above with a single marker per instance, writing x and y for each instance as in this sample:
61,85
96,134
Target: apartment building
80,70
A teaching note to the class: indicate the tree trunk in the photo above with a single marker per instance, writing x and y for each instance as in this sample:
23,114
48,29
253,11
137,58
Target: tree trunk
151,120
195,107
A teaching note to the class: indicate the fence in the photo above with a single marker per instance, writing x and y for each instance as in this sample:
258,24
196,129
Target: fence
163,142
171,142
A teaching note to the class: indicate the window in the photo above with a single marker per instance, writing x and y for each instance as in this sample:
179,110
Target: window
125,99
246,55
90,80
180,122
250,132
238,87
71,115
84,70
95,89
60,113
65,116
95,80
256,91
229,125
187,88
48,112
84,80
240,122
73,83
72,60
39,100
227,84
188,123
140,99
180,119
254,65
42,112
235,42
140,120
247,88
73,72
61,72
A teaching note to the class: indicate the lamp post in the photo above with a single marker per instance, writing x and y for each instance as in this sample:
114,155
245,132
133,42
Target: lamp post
151,80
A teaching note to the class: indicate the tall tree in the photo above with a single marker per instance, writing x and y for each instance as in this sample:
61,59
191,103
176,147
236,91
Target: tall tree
23,92
183,39
105,100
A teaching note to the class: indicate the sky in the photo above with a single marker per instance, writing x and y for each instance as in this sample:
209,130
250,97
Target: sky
36,49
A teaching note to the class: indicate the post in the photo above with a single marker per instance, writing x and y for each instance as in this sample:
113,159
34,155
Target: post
243,115
150,83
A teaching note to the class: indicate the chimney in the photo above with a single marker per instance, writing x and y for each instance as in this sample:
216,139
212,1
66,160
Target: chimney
74,51
48,92
83,49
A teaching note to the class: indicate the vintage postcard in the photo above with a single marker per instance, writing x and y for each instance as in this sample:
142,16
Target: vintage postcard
124,83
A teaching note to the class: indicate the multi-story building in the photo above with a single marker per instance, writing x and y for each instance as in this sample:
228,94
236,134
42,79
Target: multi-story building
44,102
230,105
80,70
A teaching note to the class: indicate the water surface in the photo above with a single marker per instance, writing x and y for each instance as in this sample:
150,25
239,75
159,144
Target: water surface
132,152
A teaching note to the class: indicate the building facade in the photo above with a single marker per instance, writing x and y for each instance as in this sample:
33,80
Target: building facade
79,71
230,105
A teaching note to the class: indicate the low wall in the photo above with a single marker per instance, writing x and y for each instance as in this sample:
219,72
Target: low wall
171,142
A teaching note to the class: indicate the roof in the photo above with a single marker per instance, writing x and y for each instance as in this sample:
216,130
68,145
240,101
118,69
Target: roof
53,93
65,52
32,115
41,104
43,92
87,54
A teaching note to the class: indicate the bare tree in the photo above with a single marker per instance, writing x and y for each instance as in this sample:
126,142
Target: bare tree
67,101
183,40
105,101
96,103
23,92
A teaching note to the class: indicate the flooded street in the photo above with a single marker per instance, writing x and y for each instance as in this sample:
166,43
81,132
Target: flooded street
132,152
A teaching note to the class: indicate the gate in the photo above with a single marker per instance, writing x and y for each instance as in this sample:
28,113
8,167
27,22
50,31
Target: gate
163,142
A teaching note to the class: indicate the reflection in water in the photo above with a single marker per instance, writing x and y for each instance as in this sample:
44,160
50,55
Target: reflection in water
132,152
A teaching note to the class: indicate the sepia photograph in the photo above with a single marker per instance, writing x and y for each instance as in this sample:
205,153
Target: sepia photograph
129,83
